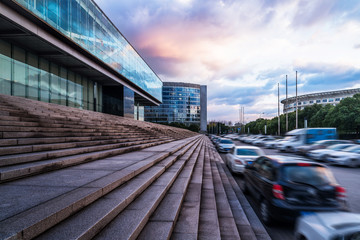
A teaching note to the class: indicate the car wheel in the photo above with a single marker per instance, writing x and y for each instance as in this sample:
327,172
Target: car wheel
323,158
243,186
353,163
265,212
229,164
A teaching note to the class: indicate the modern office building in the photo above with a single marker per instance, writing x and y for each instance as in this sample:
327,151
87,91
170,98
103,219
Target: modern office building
331,97
68,52
183,103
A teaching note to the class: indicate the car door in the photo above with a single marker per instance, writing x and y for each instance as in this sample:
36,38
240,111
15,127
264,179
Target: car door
255,176
266,179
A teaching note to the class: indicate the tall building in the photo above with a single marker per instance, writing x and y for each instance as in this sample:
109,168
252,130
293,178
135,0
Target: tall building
183,103
68,52
331,97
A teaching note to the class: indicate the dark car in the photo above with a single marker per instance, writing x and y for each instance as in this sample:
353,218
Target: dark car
286,186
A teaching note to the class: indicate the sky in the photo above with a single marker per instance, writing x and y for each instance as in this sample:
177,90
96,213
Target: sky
242,49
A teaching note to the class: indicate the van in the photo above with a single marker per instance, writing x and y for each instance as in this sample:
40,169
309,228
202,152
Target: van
305,136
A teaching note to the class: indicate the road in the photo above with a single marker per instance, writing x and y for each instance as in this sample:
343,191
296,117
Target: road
347,177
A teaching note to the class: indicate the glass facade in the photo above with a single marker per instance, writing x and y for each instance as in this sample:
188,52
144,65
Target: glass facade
84,23
180,104
25,74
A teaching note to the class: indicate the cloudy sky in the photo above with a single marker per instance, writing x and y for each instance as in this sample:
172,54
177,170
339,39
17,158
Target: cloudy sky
242,49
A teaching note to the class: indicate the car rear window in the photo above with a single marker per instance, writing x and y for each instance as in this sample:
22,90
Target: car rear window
312,175
226,141
247,152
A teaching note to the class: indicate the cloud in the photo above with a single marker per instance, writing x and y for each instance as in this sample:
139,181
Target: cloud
242,49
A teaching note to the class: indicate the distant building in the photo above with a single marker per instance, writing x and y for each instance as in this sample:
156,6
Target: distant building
331,97
183,103
70,53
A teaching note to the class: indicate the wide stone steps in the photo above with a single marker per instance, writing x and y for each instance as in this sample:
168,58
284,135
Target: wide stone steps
30,146
67,191
247,223
35,163
162,221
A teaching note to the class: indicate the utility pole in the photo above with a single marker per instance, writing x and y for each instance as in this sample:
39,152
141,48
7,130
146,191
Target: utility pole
278,109
286,105
296,104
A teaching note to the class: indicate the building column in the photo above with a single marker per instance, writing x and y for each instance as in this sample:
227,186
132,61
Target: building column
203,108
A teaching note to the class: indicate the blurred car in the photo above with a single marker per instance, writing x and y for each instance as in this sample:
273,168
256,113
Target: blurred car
349,157
224,145
304,149
240,156
328,226
285,186
322,154
262,141
272,144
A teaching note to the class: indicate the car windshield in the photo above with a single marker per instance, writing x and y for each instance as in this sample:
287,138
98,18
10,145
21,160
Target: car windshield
247,152
312,175
226,141
338,146
352,149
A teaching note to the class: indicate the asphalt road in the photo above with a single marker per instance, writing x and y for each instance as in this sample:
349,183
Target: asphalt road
347,177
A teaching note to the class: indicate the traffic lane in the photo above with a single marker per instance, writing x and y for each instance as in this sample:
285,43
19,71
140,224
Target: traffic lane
350,179
346,177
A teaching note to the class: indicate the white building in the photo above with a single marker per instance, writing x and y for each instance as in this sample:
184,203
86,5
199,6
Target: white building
332,97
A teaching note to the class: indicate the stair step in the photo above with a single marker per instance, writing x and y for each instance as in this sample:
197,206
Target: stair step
162,221
65,147
129,223
247,222
208,223
228,228
187,224
51,210
8,173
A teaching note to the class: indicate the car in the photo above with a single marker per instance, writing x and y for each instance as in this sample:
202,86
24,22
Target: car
322,154
328,226
285,186
273,144
224,145
349,157
263,140
240,156
304,149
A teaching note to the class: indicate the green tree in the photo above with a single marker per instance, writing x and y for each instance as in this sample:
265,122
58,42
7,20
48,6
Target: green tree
346,115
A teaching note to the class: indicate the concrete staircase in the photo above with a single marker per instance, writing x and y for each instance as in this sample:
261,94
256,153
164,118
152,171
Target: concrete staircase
121,179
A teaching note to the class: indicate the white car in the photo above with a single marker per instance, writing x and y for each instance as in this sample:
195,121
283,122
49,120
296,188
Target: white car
224,145
322,154
328,226
349,157
273,144
239,156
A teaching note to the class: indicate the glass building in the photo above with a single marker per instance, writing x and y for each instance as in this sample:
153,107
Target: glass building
182,103
68,52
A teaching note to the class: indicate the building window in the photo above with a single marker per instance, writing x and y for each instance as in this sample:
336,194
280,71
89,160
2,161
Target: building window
304,102
311,101
324,100
337,99
318,101
331,99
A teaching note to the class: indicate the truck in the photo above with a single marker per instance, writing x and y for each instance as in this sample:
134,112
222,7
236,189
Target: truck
305,136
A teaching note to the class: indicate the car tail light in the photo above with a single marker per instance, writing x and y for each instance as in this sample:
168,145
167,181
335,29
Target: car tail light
278,191
340,193
303,164
238,162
